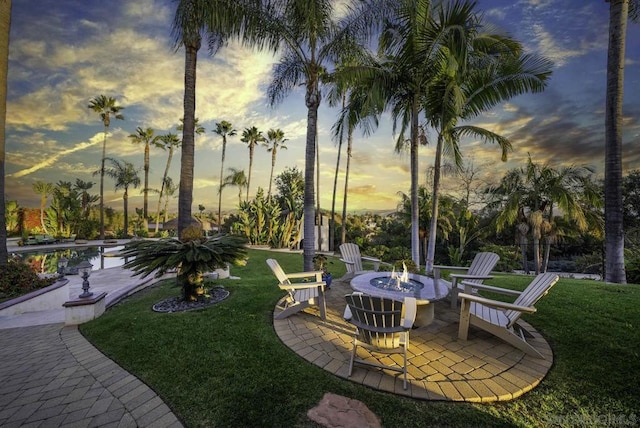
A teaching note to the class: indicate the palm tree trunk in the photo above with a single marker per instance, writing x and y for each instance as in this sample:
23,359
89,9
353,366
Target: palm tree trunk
185,197
415,206
273,166
318,214
332,222
250,168
125,199
614,228
224,149
145,204
5,24
312,100
346,186
162,186
431,246
104,156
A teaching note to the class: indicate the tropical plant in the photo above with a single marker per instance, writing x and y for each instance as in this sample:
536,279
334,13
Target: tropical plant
238,178
223,129
252,137
146,137
274,141
44,190
170,141
11,215
125,175
527,197
170,190
192,255
619,12
106,108
290,198
86,199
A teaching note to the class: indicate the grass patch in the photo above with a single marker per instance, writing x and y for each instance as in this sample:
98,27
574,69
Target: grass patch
225,366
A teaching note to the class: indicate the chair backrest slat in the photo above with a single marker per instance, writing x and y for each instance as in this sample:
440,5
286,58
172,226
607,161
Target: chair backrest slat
482,265
351,253
277,271
538,288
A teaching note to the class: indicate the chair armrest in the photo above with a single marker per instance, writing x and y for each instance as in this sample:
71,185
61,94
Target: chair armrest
309,274
485,287
410,310
370,259
465,276
302,285
443,267
347,262
496,303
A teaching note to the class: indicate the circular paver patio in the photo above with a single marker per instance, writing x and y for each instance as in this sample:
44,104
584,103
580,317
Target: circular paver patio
440,367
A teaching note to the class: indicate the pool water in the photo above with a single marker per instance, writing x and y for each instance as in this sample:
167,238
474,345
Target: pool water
46,261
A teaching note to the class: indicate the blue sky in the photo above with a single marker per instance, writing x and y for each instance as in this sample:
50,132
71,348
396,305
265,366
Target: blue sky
64,53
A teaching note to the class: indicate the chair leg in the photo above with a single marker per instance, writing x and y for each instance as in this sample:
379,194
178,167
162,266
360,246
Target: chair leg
353,355
453,296
322,304
463,329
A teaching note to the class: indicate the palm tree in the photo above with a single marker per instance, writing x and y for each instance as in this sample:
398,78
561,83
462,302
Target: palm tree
619,11
252,137
310,41
5,24
220,19
275,140
170,141
125,175
527,196
146,137
170,190
223,129
86,199
106,107
44,190
236,177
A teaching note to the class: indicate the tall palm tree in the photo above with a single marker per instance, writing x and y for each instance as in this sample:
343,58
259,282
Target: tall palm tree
252,137
125,175
238,178
224,129
146,137
619,11
219,19
476,70
274,141
310,41
5,25
86,199
169,141
106,108
44,190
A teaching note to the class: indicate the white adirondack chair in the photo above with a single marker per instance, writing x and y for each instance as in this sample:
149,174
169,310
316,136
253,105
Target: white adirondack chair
500,318
353,259
382,326
479,270
300,295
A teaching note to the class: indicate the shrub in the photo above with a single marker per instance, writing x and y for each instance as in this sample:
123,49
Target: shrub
509,257
400,264
18,279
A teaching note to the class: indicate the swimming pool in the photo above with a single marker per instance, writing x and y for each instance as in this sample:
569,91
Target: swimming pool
46,260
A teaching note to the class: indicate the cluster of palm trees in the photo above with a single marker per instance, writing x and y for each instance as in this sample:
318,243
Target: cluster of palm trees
436,63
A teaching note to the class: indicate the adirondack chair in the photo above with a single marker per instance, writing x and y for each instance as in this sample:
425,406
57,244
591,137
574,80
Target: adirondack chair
479,270
300,295
382,326
500,318
353,259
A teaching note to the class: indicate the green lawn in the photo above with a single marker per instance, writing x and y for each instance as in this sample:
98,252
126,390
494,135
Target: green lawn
224,365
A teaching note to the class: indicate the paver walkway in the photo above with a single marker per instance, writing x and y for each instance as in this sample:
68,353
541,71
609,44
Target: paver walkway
440,367
51,376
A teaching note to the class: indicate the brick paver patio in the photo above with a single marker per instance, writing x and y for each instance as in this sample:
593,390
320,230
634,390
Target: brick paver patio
440,367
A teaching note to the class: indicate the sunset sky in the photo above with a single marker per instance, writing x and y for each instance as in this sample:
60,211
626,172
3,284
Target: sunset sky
63,53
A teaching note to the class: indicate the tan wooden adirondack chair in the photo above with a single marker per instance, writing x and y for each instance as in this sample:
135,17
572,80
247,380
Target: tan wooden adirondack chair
300,295
382,326
353,259
500,318
479,270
